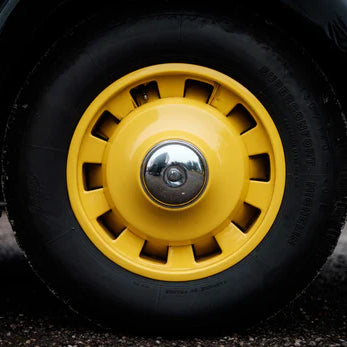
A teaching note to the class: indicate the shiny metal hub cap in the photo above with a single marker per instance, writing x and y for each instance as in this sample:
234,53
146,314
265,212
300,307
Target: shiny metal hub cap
174,173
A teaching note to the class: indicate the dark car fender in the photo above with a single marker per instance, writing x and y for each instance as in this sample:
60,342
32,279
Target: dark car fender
329,16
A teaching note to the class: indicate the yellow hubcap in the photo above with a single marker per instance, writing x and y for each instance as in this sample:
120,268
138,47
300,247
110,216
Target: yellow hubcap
232,209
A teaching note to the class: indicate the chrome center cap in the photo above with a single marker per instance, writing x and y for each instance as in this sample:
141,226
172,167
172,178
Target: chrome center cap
174,173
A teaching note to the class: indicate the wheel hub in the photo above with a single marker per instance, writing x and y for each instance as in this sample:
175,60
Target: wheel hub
174,173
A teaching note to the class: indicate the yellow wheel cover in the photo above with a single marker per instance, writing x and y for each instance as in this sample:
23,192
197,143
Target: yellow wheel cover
191,104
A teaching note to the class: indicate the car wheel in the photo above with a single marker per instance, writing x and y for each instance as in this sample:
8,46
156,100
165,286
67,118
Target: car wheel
176,168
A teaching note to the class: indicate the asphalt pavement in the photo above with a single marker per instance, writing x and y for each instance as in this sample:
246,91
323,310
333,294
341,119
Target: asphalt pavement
31,316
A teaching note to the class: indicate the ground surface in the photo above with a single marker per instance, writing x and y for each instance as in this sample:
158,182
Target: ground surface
31,316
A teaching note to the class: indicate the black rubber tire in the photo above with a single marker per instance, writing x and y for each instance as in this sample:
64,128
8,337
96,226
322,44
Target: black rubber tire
262,58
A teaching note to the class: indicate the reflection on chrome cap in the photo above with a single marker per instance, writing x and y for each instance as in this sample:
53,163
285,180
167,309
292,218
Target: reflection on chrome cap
174,173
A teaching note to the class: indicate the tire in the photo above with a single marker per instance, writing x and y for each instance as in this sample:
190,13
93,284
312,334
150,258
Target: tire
310,208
